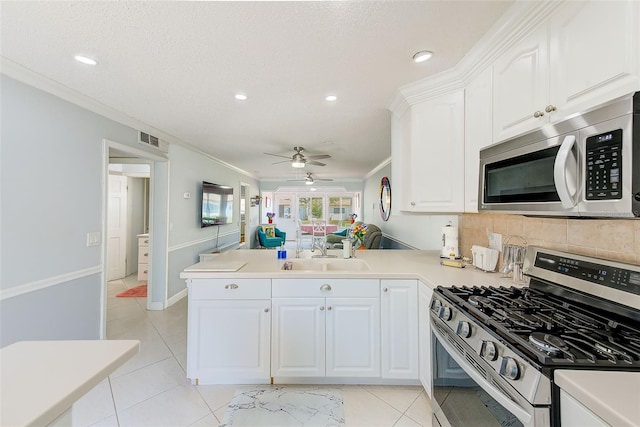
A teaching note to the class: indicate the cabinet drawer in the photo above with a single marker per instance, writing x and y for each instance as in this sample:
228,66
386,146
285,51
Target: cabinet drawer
143,271
143,255
349,288
143,241
200,289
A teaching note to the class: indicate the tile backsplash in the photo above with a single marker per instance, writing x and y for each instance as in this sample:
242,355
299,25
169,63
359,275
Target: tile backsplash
613,239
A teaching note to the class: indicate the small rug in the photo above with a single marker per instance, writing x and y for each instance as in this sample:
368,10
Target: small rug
137,292
283,406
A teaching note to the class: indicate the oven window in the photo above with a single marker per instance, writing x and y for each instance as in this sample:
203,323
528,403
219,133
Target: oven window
526,178
460,401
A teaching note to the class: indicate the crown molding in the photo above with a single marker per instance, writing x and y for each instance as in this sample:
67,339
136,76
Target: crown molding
515,24
375,170
24,75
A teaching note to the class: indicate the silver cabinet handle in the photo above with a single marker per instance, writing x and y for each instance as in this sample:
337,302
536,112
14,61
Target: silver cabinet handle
413,203
321,308
146,271
386,289
266,310
550,108
329,308
538,114
146,241
325,287
231,286
147,254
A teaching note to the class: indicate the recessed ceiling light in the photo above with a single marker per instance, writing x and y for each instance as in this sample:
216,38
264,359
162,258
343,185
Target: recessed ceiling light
241,96
331,98
85,60
422,56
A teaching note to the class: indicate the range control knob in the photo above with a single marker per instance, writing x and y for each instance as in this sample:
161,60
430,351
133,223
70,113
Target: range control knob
489,351
464,329
444,313
509,368
435,305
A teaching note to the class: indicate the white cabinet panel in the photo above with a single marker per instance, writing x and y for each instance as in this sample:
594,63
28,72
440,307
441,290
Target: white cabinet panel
424,326
228,341
399,329
436,155
575,414
298,341
477,133
353,337
593,52
521,86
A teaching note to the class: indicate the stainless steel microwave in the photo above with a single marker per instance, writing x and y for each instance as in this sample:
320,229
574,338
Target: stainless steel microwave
587,166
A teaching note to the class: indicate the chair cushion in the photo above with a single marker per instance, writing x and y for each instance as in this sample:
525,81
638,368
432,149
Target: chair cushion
342,233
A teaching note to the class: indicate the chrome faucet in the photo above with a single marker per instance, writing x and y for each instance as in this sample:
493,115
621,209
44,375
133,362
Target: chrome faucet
323,250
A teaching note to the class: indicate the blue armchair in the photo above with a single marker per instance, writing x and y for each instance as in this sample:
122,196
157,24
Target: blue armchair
271,242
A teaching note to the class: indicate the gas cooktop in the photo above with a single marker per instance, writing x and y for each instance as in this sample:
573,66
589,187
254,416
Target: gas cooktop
550,329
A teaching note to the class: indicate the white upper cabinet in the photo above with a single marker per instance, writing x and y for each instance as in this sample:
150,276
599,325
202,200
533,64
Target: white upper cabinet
477,133
585,54
594,53
432,158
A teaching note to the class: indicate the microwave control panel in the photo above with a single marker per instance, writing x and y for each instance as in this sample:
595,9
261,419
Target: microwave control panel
603,177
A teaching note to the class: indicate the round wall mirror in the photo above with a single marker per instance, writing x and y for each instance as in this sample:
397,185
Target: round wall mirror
385,198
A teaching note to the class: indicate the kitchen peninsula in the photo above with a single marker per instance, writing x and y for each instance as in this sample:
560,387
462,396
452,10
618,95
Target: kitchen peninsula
326,320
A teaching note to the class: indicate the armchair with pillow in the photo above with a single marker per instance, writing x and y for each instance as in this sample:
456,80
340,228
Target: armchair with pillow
271,242
371,240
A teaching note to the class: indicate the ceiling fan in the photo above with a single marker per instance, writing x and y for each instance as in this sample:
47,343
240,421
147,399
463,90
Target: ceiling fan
298,160
309,179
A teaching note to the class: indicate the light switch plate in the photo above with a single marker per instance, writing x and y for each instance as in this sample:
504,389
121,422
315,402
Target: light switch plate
495,241
93,239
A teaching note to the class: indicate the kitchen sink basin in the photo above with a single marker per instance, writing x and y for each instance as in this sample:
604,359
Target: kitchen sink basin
326,264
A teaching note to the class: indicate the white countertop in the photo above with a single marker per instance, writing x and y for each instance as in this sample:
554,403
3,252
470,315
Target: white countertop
40,380
613,396
384,264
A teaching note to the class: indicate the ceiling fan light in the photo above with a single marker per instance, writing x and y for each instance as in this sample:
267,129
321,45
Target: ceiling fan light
309,182
297,164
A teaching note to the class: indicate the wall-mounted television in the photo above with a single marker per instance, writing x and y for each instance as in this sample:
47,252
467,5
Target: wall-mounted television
217,204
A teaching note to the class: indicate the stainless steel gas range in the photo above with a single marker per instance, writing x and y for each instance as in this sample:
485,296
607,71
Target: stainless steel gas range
495,349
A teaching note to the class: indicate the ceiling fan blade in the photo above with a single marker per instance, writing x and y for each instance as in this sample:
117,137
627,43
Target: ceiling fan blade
296,180
284,161
279,155
322,179
313,162
319,156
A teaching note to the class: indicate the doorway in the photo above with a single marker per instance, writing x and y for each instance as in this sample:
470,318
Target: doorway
157,224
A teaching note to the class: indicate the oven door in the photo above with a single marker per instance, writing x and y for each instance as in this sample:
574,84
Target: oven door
466,394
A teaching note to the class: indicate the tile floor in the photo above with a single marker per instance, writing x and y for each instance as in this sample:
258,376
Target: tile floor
152,388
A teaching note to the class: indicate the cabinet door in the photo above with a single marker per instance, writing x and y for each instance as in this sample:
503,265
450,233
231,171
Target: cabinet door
521,87
424,327
353,337
228,340
575,414
437,155
298,337
399,328
477,133
594,55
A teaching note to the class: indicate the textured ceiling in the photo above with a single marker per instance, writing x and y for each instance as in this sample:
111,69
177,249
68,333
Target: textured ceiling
177,65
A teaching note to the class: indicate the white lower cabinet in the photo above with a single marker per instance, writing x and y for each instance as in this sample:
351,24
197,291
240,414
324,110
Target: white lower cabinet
325,327
424,327
228,335
574,414
399,335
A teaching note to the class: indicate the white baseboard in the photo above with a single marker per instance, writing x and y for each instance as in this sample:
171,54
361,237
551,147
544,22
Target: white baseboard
177,297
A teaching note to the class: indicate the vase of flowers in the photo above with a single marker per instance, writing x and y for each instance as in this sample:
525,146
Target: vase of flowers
353,217
357,233
270,216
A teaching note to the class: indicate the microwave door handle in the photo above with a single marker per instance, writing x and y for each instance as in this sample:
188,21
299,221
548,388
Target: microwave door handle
508,404
565,179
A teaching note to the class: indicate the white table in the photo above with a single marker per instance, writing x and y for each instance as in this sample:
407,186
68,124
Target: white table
41,380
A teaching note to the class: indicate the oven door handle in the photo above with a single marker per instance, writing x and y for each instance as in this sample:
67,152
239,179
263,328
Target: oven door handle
509,404
565,173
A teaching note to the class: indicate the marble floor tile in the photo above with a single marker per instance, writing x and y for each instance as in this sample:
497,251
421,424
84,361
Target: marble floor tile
217,396
283,406
364,409
400,397
420,410
94,406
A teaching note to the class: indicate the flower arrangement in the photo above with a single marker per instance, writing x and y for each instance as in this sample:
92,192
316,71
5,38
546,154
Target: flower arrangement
359,231
353,217
270,216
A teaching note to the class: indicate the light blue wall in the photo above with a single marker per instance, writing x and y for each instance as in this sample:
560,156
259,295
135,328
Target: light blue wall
51,172
421,231
51,197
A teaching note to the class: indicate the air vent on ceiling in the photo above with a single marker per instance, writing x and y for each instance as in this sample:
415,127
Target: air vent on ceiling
153,141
